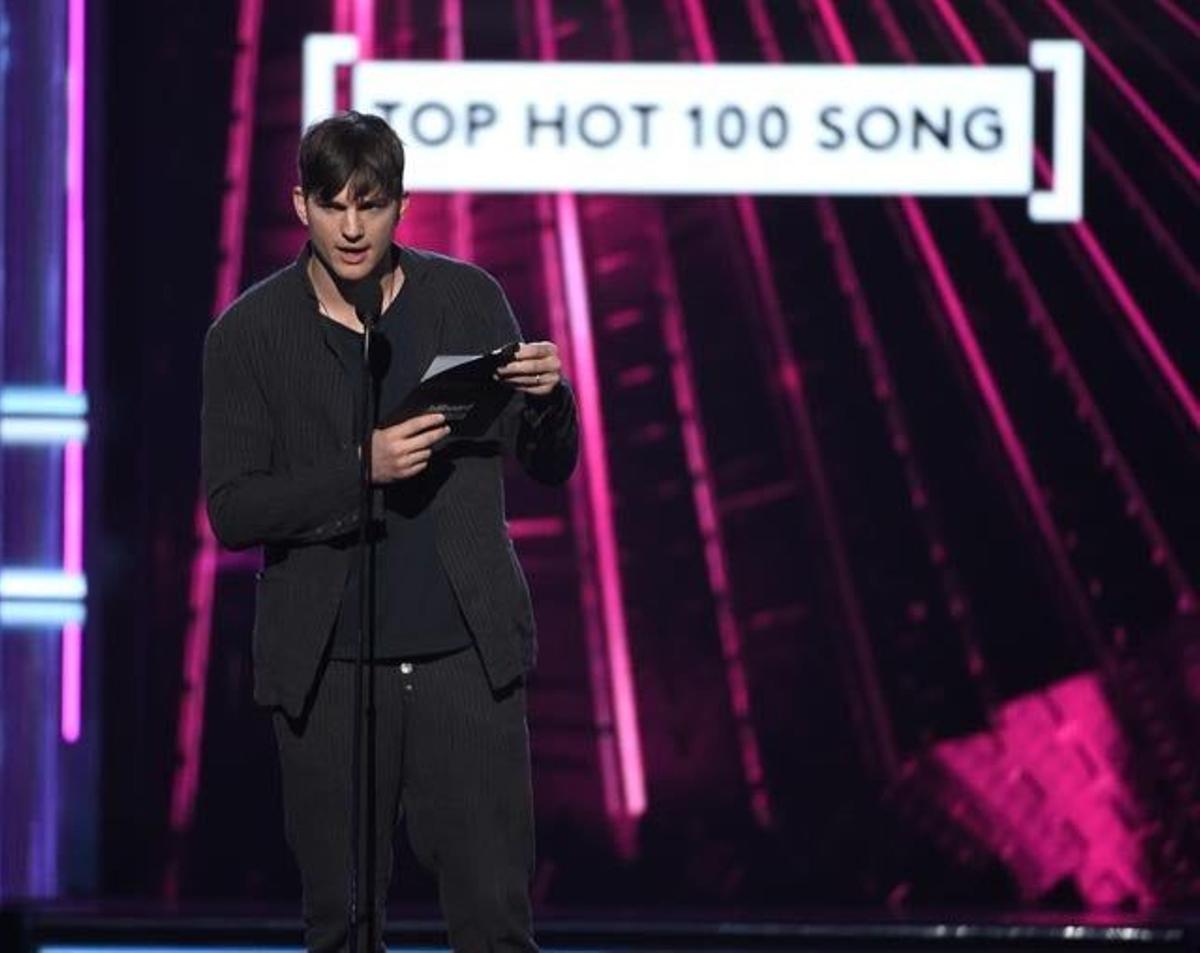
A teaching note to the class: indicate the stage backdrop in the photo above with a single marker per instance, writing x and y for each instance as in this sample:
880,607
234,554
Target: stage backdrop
876,584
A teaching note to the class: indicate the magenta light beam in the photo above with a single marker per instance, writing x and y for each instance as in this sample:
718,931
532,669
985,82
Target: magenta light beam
190,730
72,635
1095,251
595,461
989,391
1088,411
1126,88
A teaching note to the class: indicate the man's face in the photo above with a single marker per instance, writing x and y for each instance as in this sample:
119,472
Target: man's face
351,236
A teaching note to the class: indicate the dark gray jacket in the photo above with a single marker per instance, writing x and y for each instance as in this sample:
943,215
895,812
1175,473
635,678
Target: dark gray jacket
280,466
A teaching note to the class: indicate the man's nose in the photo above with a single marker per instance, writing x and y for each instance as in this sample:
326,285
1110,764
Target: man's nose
352,223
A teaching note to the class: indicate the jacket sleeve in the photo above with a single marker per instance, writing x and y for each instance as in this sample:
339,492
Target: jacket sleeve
543,432
249,502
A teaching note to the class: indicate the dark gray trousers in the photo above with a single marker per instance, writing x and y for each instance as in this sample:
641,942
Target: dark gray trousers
453,761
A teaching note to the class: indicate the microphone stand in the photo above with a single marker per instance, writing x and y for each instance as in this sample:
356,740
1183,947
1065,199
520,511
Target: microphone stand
364,716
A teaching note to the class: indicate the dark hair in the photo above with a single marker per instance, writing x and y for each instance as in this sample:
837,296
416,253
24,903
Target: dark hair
351,148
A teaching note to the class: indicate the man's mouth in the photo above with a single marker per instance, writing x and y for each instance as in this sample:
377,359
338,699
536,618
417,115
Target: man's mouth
352,255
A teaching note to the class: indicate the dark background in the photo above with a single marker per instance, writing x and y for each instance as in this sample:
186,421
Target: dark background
877,542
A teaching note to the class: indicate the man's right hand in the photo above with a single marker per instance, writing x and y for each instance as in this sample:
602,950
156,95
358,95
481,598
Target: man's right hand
403,451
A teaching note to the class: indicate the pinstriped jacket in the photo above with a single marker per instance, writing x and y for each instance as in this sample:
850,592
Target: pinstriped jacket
280,466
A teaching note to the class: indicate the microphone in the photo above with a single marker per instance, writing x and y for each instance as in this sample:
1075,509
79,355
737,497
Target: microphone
367,298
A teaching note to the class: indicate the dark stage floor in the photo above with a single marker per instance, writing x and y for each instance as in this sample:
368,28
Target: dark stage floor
58,929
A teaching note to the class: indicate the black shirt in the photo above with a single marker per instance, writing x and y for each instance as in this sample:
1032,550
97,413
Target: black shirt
416,609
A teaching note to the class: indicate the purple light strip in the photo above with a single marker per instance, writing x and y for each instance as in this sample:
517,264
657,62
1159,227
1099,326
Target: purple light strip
582,522
1126,88
1088,412
704,495
462,238
595,456
867,704
985,382
364,28
71,713
1180,17
190,730
595,460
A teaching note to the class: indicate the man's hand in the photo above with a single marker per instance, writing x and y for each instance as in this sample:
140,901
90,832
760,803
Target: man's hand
403,451
535,369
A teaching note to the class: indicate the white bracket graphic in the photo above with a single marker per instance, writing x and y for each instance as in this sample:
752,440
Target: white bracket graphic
661,129
323,54
1064,201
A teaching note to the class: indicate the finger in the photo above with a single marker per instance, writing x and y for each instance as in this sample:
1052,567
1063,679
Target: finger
415,425
413,470
547,365
534,349
534,380
415,456
423,440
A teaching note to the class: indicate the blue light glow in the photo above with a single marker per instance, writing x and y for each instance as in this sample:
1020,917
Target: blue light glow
41,584
42,430
34,613
42,402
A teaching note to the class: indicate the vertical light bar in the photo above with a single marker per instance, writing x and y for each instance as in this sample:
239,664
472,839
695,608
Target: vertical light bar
595,631
364,27
462,238
595,461
72,635
190,729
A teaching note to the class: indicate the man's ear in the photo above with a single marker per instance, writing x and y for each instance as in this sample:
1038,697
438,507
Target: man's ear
403,207
300,205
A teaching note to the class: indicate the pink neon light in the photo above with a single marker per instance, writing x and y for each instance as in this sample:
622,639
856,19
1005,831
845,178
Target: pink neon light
704,495
454,49
619,676
1149,116
1104,265
1180,17
1044,790
842,48
343,16
594,629
1137,318
960,324
536,527
364,26
595,458
190,730
71,704
1090,413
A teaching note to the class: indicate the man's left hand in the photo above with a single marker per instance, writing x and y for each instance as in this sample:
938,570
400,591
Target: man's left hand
535,369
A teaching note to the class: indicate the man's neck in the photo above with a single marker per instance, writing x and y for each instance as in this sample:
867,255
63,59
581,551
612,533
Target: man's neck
333,302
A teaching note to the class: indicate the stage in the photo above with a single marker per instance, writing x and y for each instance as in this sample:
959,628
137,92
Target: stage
60,929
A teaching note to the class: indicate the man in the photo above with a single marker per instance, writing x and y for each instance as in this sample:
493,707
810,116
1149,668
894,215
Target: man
455,635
